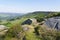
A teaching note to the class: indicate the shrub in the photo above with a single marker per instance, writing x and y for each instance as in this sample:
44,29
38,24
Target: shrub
53,15
49,33
36,30
39,19
14,32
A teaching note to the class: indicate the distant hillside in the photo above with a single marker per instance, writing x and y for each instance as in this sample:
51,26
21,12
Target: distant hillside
7,16
56,14
37,14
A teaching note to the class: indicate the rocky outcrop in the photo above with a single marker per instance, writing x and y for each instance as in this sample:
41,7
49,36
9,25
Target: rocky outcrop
53,22
28,21
3,30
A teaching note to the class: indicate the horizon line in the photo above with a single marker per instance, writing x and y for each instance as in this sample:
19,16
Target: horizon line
30,12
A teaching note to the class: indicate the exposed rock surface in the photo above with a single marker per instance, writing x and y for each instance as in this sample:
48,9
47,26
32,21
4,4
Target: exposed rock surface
3,30
30,21
53,22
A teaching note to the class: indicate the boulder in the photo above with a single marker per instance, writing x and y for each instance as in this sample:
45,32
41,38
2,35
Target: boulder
53,22
3,30
28,21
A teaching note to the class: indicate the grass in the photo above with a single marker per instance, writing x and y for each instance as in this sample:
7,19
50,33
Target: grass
31,36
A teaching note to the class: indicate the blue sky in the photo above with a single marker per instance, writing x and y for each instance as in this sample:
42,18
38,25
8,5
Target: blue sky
24,6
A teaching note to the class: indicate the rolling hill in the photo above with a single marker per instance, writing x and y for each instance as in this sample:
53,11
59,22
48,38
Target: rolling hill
37,14
7,16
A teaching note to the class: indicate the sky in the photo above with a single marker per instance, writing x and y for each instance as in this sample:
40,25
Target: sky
25,6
